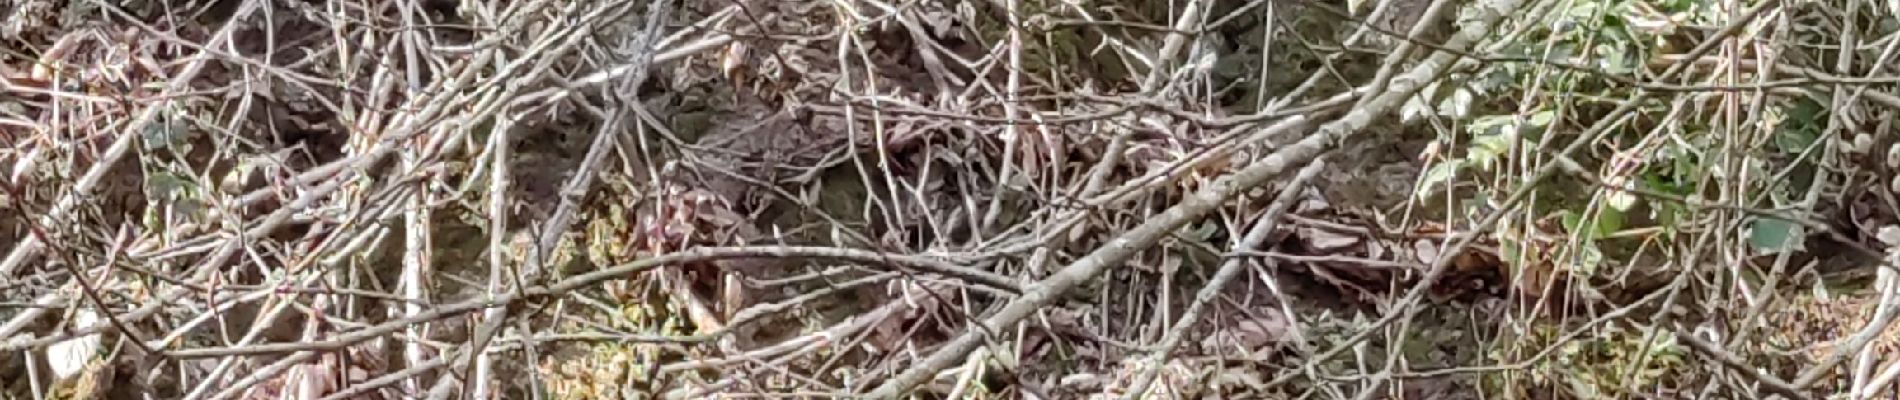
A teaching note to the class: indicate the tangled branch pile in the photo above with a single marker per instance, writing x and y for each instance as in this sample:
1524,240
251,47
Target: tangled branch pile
213,199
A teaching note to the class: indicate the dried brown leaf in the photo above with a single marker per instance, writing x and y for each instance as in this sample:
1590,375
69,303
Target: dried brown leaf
1425,250
1326,241
1253,334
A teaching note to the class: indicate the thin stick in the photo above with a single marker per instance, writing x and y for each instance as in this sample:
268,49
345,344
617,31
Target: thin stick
1406,308
1737,364
1118,250
30,247
625,271
500,149
1263,227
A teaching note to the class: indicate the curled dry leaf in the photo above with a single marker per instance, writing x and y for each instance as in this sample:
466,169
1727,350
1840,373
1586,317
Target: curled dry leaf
1425,250
324,376
1177,380
68,358
1326,241
95,382
734,63
887,335
1312,202
1268,329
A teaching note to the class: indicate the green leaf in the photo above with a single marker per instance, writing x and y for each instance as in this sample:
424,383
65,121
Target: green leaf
168,186
1510,249
1614,59
165,131
1487,149
1441,173
1609,220
1605,222
1795,140
1586,259
1774,236
1458,104
1542,118
1487,125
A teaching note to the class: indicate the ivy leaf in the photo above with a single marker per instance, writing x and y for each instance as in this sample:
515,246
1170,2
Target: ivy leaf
1609,220
1441,173
1487,149
1774,236
1489,124
1606,221
1458,104
1800,127
169,186
1542,118
1586,260
166,131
